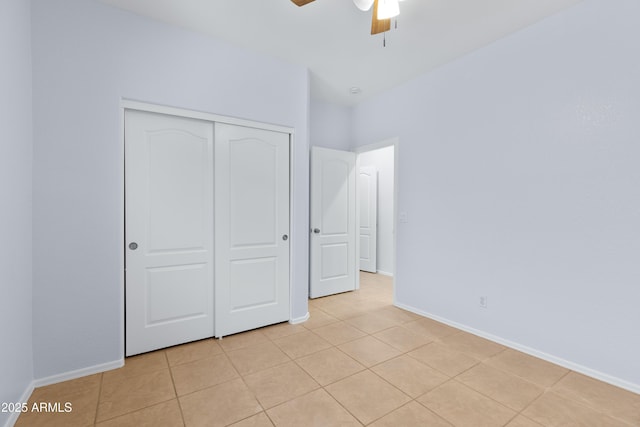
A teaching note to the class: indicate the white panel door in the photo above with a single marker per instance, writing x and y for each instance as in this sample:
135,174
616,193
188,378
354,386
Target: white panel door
368,198
252,223
169,230
333,222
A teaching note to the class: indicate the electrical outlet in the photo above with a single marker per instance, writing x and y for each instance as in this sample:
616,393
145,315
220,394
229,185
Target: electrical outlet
483,301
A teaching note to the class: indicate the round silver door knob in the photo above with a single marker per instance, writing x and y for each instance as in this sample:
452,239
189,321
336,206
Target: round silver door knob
133,246
316,230
285,237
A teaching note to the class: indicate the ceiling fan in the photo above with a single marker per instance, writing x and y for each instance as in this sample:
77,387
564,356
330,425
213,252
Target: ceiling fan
383,11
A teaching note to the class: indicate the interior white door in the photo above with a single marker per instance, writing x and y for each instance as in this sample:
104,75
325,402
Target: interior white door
169,230
333,222
252,223
368,198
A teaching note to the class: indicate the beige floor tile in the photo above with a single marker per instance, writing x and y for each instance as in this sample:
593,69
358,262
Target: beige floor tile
409,375
166,414
220,405
473,345
341,310
82,411
319,318
508,389
316,409
194,376
193,351
521,421
339,333
282,330
365,305
205,375
464,407
259,420
276,385
137,365
530,368
397,314
248,360
324,302
242,340
613,401
554,410
411,414
67,388
125,395
369,350
402,339
350,297
367,396
302,344
330,365
443,358
372,323
430,328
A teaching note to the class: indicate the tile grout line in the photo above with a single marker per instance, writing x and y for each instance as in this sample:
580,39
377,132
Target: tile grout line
545,389
95,418
175,390
571,398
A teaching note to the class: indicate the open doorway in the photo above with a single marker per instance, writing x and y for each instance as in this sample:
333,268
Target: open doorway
377,199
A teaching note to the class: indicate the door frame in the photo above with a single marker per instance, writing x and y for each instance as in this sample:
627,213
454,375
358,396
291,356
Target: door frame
129,104
395,143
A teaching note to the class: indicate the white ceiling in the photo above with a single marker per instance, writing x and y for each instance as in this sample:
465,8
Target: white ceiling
331,37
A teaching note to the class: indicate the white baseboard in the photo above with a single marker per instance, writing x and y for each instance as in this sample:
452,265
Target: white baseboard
66,376
300,319
72,375
384,273
13,417
618,382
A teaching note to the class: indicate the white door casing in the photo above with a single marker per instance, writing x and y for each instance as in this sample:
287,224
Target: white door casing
168,232
333,263
368,200
252,223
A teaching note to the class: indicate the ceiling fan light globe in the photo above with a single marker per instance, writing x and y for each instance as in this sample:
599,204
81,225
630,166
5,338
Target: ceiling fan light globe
388,9
363,5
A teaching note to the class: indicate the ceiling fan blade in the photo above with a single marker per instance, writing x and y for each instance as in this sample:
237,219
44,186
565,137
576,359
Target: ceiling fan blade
301,2
379,25
363,5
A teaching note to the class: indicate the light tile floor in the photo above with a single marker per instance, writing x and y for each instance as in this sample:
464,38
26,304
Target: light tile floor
357,361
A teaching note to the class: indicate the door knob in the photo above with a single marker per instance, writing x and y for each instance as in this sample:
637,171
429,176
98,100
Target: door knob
316,230
285,237
133,246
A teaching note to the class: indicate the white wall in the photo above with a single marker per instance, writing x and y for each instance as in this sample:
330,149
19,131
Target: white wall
383,160
16,158
519,172
86,57
330,125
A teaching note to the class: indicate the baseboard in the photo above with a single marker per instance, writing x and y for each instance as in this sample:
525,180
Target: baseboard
384,273
13,417
300,319
72,375
618,382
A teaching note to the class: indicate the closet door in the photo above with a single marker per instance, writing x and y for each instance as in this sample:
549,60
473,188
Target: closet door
169,230
252,226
